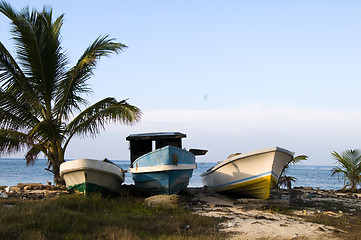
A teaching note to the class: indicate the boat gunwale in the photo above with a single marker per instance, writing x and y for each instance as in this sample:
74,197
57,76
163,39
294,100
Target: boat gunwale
244,155
82,168
163,168
161,149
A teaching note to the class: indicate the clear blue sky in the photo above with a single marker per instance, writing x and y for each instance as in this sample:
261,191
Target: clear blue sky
235,76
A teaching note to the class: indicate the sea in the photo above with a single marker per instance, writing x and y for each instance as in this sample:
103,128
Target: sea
14,171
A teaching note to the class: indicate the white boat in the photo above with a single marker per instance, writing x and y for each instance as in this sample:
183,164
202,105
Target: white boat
88,175
251,174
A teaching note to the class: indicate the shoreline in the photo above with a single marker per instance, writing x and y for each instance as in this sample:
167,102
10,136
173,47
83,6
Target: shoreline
17,172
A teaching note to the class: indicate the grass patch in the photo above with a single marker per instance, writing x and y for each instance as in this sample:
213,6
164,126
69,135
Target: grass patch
348,219
324,205
95,217
349,223
278,209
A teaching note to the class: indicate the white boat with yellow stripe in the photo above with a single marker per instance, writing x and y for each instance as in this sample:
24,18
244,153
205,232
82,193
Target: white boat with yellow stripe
250,174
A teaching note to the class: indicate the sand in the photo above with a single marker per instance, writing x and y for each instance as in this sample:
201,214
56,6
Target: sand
247,219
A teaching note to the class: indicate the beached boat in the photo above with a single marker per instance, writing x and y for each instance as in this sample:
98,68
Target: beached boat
167,168
251,174
87,176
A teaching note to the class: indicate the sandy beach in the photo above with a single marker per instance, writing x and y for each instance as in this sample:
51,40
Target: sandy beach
250,218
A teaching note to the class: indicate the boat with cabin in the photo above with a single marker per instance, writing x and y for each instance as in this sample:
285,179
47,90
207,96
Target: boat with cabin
250,174
158,163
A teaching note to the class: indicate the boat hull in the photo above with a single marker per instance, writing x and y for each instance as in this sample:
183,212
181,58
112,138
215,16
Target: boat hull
165,171
89,176
251,174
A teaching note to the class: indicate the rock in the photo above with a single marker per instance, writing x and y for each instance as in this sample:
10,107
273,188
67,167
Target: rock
329,213
260,203
14,189
304,188
29,184
295,236
167,201
3,195
232,224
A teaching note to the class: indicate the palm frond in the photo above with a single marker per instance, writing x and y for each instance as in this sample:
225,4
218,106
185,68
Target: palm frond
349,168
13,141
294,161
39,52
338,170
101,47
9,69
14,82
75,84
48,132
32,154
16,114
7,10
94,118
299,159
286,181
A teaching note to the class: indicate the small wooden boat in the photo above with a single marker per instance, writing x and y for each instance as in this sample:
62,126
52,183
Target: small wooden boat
87,176
251,174
166,169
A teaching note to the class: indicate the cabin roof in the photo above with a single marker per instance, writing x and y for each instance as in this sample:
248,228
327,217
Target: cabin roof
155,136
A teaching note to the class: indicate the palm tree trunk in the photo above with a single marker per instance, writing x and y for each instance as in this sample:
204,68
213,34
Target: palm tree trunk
55,160
58,180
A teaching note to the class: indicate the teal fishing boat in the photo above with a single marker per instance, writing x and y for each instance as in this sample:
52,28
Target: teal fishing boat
167,168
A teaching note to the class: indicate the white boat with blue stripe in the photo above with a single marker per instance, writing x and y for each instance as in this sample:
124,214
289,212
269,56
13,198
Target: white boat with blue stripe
251,174
166,169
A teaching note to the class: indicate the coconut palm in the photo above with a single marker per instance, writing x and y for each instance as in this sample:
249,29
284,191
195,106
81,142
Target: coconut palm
349,168
285,180
41,99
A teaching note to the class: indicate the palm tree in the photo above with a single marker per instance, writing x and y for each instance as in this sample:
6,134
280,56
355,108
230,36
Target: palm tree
285,180
40,96
349,162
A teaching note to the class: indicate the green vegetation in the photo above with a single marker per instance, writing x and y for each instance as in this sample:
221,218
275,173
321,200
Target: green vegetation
96,217
349,224
349,162
285,180
278,210
41,98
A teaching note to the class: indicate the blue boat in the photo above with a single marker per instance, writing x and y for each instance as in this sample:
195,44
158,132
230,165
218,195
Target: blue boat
167,168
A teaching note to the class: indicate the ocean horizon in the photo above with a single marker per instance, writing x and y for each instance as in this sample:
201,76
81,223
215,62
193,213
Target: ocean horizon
14,171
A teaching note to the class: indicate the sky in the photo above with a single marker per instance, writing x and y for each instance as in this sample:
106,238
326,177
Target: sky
235,76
